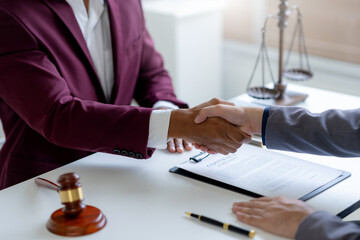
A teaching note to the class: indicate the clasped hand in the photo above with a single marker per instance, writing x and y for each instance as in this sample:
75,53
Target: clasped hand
208,129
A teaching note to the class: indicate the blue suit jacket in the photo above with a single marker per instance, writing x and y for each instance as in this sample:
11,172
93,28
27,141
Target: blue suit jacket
322,225
333,132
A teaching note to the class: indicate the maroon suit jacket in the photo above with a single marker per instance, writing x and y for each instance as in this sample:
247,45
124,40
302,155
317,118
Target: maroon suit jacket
52,106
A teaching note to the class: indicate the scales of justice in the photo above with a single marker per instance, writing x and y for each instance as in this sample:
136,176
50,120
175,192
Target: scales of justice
301,72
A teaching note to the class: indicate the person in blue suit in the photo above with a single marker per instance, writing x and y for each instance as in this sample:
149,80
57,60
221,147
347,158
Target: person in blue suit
332,133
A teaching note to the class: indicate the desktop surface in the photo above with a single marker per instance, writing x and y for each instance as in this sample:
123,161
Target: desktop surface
143,200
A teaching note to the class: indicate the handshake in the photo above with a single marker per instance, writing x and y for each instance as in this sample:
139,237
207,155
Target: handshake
216,126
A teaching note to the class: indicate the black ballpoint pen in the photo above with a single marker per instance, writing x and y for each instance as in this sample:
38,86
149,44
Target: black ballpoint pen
226,226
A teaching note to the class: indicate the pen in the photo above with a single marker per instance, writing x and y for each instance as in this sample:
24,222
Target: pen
226,226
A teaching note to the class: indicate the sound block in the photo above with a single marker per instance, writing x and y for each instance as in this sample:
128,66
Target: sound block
90,220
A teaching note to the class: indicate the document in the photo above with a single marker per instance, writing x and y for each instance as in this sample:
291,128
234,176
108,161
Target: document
266,173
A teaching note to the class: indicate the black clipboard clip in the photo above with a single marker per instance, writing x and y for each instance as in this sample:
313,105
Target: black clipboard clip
199,157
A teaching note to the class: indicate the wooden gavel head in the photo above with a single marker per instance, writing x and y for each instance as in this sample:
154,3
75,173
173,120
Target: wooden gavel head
76,218
71,194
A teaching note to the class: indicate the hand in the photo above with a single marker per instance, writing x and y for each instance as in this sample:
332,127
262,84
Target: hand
177,144
214,133
248,119
278,215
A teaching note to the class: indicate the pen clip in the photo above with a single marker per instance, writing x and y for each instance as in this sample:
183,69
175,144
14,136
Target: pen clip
199,157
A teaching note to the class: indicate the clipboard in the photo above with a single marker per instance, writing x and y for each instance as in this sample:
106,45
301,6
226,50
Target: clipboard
203,175
214,182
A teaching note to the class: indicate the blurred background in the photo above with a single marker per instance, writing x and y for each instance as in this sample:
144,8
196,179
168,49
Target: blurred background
210,46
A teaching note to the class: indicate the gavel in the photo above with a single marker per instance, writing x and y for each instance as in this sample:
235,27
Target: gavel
76,218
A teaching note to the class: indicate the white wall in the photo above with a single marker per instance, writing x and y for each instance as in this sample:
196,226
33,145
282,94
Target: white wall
188,34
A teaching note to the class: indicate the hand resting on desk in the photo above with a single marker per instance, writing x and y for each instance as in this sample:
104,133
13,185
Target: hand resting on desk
278,215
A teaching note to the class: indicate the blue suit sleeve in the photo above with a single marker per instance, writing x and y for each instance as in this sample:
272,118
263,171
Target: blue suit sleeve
264,123
333,132
322,225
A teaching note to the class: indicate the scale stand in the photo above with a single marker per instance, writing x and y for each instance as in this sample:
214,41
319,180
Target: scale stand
278,93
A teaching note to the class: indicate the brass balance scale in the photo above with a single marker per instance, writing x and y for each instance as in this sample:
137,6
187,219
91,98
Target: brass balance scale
301,73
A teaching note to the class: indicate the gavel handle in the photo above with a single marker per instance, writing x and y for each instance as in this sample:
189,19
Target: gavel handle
42,182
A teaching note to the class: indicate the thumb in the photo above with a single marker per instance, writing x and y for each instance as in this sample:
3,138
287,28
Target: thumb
206,112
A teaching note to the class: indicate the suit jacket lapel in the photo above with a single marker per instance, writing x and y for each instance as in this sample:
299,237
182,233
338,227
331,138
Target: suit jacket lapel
65,13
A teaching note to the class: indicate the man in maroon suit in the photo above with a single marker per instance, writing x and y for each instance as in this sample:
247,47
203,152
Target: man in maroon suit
65,89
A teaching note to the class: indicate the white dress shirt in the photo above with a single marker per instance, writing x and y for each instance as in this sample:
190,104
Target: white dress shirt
95,27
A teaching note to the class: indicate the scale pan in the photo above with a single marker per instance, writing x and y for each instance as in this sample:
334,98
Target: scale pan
297,74
263,93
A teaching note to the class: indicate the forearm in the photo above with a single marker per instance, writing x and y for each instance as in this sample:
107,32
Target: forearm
322,225
95,127
333,132
42,99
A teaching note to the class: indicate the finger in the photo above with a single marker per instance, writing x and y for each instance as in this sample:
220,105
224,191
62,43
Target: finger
197,146
216,101
251,204
212,152
248,211
236,138
171,145
262,199
221,101
239,136
188,145
211,111
253,220
228,145
225,143
203,148
179,145
223,149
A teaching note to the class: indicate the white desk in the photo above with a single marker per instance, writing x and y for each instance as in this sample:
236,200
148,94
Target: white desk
142,200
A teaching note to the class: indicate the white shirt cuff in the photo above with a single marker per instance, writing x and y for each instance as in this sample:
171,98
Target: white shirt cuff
165,104
159,124
158,128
